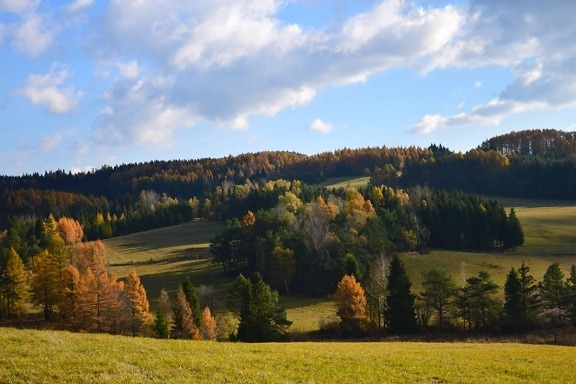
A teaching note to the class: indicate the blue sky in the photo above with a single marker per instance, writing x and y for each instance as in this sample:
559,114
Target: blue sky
87,83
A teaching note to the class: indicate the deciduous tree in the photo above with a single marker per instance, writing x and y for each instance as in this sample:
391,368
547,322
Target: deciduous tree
350,303
15,285
207,325
138,303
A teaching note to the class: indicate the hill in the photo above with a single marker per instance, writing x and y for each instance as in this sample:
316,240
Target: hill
55,357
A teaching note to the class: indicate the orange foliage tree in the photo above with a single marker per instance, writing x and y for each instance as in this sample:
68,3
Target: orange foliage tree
351,306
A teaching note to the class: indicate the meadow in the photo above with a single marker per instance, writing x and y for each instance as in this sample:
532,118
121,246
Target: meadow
55,357
164,257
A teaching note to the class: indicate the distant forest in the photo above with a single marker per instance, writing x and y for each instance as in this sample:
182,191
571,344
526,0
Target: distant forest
128,198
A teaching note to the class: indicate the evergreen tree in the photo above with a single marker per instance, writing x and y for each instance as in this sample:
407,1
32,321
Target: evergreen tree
553,293
513,300
160,326
478,304
256,307
571,293
351,306
15,285
400,313
193,300
439,293
514,236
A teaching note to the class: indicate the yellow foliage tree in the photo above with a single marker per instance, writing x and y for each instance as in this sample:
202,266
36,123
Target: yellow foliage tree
208,325
138,303
15,285
350,302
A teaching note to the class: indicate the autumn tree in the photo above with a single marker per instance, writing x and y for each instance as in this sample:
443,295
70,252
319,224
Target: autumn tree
45,283
183,325
283,265
207,325
14,285
138,303
351,306
399,313
161,326
255,305
70,285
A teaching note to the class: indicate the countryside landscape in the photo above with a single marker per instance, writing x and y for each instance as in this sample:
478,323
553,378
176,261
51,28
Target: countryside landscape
342,258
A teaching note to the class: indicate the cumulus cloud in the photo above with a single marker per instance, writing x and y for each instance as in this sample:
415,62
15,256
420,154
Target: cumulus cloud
47,91
524,37
320,126
228,60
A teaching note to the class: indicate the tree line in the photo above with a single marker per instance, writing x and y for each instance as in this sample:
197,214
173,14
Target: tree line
443,306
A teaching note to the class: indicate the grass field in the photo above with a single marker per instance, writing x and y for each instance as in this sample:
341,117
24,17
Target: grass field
182,250
30,356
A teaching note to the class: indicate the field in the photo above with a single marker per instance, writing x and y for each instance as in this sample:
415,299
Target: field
55,357
164,257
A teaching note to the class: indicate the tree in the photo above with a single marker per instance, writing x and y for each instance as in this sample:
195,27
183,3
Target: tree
138,303
520,298
256,307
477,301
554,294
514,236
193,300
283,265
439,294
571,293
160,326
45,283
400,313
351,306
70,286
207,325
183,326
15,284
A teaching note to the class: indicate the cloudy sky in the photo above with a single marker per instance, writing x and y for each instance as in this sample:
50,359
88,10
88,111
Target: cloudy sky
87,83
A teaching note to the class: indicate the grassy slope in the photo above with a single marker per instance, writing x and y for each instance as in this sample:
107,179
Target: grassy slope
89,358
548,226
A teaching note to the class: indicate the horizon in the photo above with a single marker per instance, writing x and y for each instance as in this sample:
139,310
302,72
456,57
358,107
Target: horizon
87,84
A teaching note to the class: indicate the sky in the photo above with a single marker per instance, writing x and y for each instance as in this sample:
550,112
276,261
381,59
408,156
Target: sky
88,83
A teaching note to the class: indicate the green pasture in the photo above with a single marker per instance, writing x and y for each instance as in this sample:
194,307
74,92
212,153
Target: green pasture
30,356
343,182
164,257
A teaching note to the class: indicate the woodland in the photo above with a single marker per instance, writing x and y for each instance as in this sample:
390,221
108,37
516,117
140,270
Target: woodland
286,232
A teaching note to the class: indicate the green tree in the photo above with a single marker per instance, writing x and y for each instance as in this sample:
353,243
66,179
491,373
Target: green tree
15,285
193,300
400,313
513,300
183,325
553,293
514,236
439,294
571,290
350,302
255,305
478,303
160,326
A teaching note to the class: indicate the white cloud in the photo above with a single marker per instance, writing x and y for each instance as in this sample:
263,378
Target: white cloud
320,126
51,141
47,91
32,36
17,6
78,5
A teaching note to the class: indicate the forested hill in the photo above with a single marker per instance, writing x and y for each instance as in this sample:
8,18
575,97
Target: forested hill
549,142
127,198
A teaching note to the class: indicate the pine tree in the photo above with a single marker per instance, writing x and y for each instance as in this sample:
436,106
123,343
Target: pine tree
138,303
439,294
554,294
193,300
15,284
477,301
208,325
400,313
514,236
160,326
256,307
571,293
350,302
513,300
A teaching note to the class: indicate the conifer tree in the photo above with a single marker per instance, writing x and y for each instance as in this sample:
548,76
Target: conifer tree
183,326
351,306
193,300
400,313
207,325
15,285
439,294
70,286
571,293
161,327
553,293
138,303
